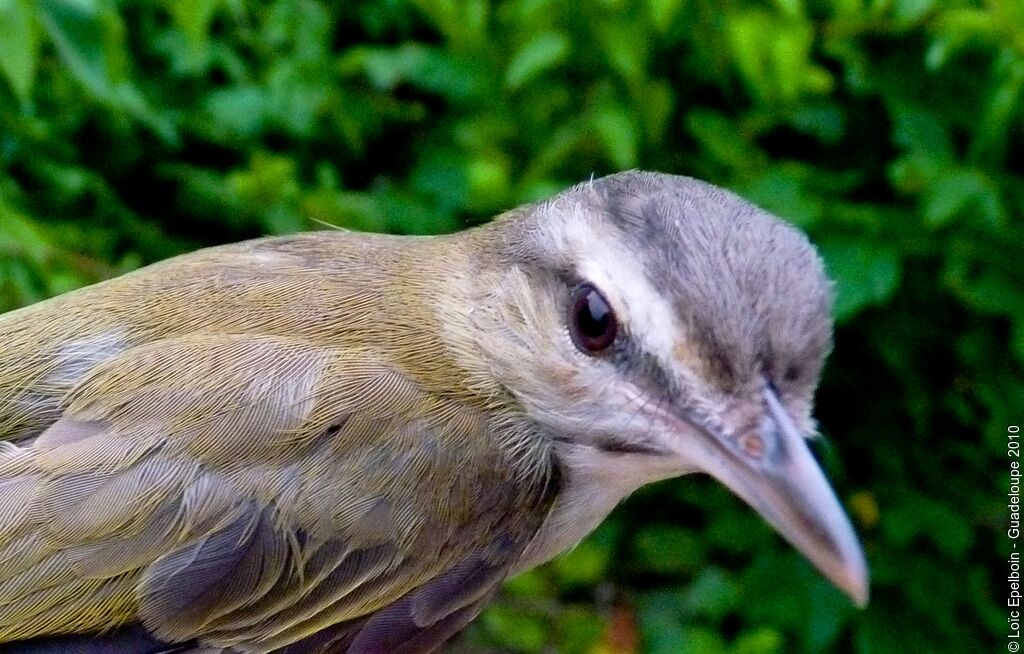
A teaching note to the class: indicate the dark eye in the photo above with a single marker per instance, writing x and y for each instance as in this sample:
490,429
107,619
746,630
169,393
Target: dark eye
592,323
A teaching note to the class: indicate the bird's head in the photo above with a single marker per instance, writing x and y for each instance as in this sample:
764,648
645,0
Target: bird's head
657,325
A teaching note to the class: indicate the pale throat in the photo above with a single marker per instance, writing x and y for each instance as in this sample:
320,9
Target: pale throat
594,482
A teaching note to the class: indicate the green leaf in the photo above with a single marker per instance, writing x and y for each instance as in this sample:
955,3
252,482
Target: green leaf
986,289
917,516
542,53
588,562
656,102
829,611
953,194
759,641
427,68
523,633
722,140
90,39
19,47
237,112
461,21
578,630
440,176
662,625
825,122
784,193
908,12
1017,339
489,182
668,549
618,132
922,130
626,49
22,237
533,583
193,18
745,31
663,13
865,273
712,593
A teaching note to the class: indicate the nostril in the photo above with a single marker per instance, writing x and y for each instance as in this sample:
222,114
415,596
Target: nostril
752,445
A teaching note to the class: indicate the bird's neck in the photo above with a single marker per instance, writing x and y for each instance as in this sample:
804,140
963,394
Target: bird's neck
440,345
594,482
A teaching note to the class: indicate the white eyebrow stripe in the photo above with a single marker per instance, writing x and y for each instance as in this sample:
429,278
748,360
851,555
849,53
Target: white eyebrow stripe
603,260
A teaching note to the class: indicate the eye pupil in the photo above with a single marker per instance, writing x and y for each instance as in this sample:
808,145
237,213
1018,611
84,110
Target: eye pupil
594,316
592,323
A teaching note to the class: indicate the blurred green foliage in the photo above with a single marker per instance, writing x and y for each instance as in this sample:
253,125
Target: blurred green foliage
891,130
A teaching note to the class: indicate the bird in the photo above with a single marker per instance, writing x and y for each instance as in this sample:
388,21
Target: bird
335,441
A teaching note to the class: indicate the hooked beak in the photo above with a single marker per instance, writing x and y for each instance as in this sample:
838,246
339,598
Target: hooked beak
772,469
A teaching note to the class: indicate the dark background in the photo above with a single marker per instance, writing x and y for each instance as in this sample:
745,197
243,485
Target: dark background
890,130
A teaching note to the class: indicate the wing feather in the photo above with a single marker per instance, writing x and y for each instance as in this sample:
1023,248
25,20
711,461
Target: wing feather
261,510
